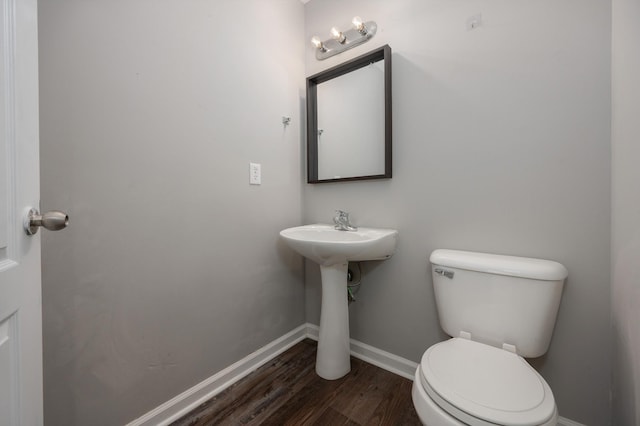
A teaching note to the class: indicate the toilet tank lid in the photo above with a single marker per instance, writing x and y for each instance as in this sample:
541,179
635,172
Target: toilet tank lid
525,267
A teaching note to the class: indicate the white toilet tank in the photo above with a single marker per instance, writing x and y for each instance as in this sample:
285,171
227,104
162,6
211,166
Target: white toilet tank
498,299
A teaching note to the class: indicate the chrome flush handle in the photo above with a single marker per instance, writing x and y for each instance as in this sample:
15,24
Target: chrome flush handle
440,271
53,221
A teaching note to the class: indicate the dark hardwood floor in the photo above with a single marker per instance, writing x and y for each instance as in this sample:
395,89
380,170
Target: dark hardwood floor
287,391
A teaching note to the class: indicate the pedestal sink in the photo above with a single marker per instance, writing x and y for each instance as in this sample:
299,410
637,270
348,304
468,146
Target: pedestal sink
333,250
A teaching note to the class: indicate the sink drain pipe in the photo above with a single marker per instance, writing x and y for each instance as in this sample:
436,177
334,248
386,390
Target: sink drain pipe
354,279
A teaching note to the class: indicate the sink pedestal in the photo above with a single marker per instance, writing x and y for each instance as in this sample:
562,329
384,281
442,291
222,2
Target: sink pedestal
333,357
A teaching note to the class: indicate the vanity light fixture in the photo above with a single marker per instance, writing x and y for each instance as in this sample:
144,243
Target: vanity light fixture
341,41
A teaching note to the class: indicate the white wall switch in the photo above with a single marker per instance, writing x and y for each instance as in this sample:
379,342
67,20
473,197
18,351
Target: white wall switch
254,174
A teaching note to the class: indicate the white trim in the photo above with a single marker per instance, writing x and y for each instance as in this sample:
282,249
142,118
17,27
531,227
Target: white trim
188,400
566,422
8,122
385,360
191,398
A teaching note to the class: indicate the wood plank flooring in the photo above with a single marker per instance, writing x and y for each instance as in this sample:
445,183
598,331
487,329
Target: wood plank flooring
287,391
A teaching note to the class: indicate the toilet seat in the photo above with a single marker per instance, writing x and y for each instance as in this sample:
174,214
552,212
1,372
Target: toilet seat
484,385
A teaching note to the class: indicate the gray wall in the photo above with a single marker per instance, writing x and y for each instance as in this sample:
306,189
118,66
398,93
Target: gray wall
501,144
625,249
171,268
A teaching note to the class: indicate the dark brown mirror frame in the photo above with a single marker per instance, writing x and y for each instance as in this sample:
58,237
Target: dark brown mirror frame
382,53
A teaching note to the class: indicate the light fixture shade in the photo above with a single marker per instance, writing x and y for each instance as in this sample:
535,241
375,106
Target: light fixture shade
316,42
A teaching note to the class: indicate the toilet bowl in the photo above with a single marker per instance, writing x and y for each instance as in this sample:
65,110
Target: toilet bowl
500,309
461,382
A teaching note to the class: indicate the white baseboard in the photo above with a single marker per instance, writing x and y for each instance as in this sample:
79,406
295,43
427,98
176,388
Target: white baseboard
385,360
191,398
566,422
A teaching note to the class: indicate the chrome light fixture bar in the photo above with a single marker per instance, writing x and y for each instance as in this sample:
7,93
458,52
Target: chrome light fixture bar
342,41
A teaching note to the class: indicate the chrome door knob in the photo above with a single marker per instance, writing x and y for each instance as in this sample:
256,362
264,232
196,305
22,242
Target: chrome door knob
53,221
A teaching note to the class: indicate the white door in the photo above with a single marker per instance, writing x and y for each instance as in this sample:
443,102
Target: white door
20,296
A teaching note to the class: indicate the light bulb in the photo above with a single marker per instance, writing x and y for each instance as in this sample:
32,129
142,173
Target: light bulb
358,24
336,34
316,42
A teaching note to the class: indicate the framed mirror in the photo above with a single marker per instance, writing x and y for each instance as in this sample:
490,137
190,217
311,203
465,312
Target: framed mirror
349,120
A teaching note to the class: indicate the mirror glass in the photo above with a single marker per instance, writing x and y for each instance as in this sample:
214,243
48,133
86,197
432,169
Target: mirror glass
349,120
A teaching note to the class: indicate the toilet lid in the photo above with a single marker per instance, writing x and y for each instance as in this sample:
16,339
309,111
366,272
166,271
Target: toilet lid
486,383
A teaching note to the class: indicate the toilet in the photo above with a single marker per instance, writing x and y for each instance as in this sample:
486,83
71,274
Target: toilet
498,310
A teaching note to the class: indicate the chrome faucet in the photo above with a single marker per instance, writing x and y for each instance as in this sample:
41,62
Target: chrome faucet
342,221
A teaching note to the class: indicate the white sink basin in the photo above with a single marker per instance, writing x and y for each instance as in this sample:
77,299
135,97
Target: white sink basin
333,250
327,246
